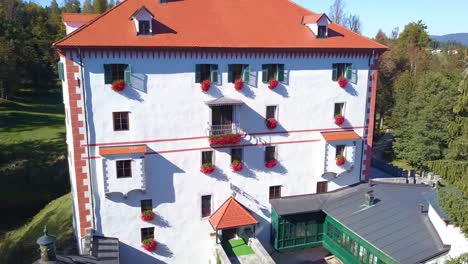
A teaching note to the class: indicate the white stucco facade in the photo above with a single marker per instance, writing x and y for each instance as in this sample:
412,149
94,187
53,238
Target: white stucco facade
168,113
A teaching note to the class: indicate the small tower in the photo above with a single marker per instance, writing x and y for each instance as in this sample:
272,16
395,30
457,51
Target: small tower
47,247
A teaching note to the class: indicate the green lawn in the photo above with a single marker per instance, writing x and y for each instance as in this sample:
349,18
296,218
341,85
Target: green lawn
19,246
238,248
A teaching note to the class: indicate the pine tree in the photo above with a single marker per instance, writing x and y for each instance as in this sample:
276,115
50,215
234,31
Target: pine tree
99,6
88,7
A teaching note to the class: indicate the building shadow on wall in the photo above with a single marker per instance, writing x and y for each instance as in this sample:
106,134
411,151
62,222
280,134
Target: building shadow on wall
139,82
246,171
131,93
281,90
257,124
219,175
214,91
160,28
163,250
160,221
349,88
131,254
247,91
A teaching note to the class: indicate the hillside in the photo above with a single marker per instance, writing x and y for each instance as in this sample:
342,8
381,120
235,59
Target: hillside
457,37
19,246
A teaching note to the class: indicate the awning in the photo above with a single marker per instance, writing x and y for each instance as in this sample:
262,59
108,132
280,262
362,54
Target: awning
340,135
224,101
122,150
231,214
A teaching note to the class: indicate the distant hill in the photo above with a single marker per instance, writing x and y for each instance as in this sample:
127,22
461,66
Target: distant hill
457,37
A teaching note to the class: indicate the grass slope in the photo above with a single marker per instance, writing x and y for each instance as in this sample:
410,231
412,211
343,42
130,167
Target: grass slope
19,246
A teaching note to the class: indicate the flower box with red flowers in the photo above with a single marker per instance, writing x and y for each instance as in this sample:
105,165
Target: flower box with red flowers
271,123
342,82
147,215
207,168
271,164
205,85
227,139
118,86
340,160
272,84
339,119
238,84
237,165
149,244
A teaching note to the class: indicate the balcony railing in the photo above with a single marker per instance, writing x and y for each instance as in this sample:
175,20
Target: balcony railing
215,130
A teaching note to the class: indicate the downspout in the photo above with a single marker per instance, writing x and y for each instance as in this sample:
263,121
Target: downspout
91,193
364,125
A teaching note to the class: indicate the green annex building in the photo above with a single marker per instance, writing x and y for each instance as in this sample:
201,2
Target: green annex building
377,223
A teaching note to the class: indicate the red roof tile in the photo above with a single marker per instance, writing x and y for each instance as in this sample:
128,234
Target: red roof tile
122,150
213,24
340,135
231,214
78,17
312,19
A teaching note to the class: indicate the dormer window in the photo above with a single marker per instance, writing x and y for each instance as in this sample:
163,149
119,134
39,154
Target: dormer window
143,20
322,32
318,24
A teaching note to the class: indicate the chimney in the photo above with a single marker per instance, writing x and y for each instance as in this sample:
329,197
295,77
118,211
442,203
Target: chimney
370,198
47,247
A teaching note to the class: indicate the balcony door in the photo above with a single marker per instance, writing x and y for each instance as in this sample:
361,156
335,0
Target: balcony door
221,119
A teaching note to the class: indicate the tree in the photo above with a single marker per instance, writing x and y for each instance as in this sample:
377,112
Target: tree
111,4
99,6
337,12
88,7
72,6
353,23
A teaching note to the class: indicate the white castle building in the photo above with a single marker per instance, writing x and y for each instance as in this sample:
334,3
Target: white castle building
202,111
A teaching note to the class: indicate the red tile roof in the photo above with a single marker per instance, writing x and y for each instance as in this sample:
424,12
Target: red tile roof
231,214
213,24
340,135
312,19
78,17
122,150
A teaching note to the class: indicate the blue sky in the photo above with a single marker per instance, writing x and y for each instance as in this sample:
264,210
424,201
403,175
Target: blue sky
441,17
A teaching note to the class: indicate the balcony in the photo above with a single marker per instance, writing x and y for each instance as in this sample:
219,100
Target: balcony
224,127
215,130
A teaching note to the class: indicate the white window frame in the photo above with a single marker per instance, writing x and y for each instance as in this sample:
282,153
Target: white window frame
200,205
343,110
276,110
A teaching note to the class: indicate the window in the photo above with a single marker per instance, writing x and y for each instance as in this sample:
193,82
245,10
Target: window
144,27
120,121
339,107
342,70
340,150
124,168
322,32
206,205
272,72
206,72
238,71
146,205
271,111
236,154
116,72
275,192
147,233
322,187
270,153
207,157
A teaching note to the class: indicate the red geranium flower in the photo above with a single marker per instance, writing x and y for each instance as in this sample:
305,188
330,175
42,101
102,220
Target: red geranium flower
207,168
147,215
237,165
228,139
238,84
149,244
118,86
342,82
205,85
272,84
339,119
340,160
271,164
271,123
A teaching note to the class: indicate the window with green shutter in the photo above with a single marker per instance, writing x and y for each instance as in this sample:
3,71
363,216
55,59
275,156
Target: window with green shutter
341,70
272,72
238,72
117,72
60,71
206,72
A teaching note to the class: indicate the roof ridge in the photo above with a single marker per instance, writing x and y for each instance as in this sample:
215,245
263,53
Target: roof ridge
229,200
89,23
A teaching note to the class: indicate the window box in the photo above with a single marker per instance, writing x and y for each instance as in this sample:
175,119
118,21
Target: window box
339,119
272,84
227,139
271,164
238,84
271,123
237,165
207,168
205,85
149,244
342,82
118,86
340,160
147,215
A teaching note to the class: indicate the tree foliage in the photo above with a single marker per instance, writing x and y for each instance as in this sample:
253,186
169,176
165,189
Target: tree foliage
100,6
338,15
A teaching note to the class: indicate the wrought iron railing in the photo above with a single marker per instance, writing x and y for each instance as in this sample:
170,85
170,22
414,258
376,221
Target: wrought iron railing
224,129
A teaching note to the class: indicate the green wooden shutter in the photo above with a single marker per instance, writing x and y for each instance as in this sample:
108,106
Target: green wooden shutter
230,73
246,73
281,72
265,73
197,73
107,73
60,71
335,72
214,73
128,74
349,71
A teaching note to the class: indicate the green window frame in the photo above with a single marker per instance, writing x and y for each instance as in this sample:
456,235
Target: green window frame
206,72
238,71
117,72
272,72
342,70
